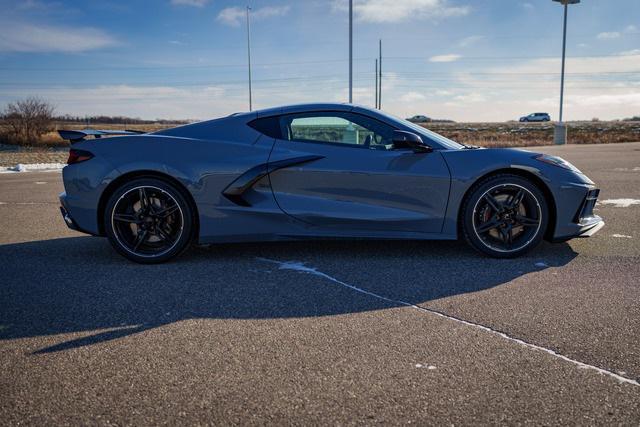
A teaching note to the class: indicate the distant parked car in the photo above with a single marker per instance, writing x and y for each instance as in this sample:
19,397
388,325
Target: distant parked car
419,119
536,117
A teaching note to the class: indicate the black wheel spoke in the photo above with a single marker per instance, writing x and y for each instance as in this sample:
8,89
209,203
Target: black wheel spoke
526,222
488,226
130,218
144,200
517,199
495,205
167,211
164,236
509,237
140,239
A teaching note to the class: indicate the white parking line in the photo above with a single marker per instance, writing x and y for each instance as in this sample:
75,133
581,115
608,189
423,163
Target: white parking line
302,268
620,203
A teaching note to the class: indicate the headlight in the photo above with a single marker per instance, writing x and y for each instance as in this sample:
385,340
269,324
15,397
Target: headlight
557,161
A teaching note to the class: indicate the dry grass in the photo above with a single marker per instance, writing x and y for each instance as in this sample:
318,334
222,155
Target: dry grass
515,134
52,139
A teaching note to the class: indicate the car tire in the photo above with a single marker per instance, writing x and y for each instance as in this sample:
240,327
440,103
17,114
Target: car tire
504,216
149,221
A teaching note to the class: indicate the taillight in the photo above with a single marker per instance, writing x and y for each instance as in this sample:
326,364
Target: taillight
77,156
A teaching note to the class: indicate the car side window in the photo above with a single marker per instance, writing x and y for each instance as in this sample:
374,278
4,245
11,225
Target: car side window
338,128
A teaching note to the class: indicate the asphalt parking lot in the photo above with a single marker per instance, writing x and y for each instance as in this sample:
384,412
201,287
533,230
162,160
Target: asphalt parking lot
322,332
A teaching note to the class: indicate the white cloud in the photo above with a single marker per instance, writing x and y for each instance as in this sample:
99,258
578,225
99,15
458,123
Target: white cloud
231,16
195,3
629,52
608,35
469,41
451,57
148,102
534,85
23,37
629,100
235,15
412,97
527,5
631,29
470,97
379,11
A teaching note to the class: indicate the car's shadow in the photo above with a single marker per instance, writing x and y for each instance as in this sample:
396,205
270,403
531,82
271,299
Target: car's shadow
80,285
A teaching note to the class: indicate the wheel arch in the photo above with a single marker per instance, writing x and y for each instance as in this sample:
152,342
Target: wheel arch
536,180
120,180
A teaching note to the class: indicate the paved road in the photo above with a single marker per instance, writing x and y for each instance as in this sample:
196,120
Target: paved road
336,332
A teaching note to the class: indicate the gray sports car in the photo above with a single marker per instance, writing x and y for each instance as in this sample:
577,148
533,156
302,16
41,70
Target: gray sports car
316,171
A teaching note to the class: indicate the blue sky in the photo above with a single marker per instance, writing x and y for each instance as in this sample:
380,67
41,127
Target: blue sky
471,60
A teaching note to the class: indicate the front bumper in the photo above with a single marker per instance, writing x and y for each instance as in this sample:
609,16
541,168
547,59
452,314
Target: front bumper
584,222
592,228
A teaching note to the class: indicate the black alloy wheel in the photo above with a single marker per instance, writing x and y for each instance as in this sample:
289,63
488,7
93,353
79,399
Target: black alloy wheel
505,216
149,221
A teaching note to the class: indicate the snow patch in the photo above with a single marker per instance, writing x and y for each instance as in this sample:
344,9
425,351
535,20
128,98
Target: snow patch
622,236
620,203
429,367
634,169
40,182
302,268
33,167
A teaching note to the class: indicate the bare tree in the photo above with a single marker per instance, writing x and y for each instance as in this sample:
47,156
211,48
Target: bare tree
29,119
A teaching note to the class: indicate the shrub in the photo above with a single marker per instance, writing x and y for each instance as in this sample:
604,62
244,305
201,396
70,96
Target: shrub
28,119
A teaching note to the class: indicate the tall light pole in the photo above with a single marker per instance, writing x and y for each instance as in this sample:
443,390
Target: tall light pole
376,83
380,75
249,57
560,131
350,51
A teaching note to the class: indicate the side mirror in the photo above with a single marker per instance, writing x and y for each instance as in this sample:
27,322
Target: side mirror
404,139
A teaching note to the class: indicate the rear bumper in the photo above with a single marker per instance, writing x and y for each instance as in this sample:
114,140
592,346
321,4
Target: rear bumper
66,216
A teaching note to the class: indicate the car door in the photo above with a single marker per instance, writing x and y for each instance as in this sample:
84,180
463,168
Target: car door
354,178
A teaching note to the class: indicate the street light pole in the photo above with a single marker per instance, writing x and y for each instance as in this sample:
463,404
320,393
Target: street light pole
249,57
380,75
350,51
376,83
564,49
560,131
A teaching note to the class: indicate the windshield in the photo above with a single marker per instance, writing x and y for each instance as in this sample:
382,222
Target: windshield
449,143
425,133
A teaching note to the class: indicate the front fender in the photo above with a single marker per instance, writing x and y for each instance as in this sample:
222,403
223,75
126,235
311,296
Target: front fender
565,187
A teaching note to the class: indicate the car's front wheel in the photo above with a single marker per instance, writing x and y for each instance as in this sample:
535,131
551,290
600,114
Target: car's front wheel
504,216
148,220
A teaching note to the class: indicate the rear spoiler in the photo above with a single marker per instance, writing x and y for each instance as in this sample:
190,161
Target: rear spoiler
78,135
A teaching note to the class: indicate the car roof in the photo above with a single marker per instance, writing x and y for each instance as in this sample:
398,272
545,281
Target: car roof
305,108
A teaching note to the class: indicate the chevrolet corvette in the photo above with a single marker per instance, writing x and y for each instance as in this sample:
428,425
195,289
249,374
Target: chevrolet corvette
314,172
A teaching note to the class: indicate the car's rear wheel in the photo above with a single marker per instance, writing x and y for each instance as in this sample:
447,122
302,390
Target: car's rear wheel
148,220
504,216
